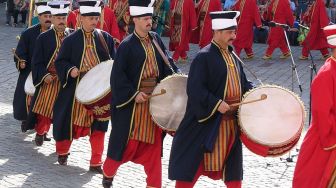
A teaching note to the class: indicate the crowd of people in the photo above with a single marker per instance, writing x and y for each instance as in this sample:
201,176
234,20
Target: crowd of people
65,45
296,36
13,9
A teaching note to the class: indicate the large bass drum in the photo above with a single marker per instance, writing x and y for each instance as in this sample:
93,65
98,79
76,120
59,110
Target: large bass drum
168,110
29,87
94,90
271,127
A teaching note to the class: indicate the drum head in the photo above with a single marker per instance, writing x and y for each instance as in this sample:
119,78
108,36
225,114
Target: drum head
29,86
95,84
168,110
273,122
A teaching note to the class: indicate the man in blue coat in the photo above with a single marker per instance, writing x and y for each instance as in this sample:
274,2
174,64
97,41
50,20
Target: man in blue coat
24,52
80,52
207,140
44,73
138,67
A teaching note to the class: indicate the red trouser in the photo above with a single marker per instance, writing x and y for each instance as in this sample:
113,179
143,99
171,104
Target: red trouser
179,53
305,51
213,175
148,155
282,45
249,51
43,124
97,147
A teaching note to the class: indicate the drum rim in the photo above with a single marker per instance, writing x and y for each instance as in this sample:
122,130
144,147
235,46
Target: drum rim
24,87
285,150
293,138
280,151
150,106
106,92
95,100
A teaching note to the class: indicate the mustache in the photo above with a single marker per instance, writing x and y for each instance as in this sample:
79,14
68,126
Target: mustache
48,21
61,24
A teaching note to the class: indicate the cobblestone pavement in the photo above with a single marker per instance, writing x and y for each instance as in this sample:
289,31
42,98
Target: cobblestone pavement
22,164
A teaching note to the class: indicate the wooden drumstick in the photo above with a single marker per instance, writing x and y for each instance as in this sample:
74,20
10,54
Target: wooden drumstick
15,55
163,91
262,97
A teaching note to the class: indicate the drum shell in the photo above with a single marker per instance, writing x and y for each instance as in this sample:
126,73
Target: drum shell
94,91
251,134
268,151
168,110
29,87
100,108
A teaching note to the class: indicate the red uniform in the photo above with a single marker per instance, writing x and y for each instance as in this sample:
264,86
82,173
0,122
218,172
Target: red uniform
249,16
316,18
203,34
316,162
183,21
121,10
108,17
278,11
112,3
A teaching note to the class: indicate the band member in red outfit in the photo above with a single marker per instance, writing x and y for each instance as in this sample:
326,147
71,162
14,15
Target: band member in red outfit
183,22
203,34
316,164
249,17
278,11
316,19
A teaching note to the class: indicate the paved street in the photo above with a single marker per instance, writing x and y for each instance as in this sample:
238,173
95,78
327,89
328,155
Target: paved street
22,164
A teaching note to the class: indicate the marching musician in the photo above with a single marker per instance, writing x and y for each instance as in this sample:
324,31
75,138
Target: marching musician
43,71
24,52
249,17
107,21
137,68
207,140
121,10
80,52
316,19
278,11
182,22
315,165
203,34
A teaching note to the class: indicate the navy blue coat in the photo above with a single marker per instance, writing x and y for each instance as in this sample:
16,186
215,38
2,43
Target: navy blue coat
199,128
125,82
69,57
45,48
24,50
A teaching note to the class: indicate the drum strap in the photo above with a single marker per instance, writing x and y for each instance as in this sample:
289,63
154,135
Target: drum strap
103,42
164,57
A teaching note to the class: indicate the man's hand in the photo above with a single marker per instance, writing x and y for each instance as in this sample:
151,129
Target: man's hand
48,79
141,97
74,73
22,65
223,107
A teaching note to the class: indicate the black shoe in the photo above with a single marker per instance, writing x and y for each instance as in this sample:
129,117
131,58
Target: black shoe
107,182
63,159
23,126
45,138
96,169
39,139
